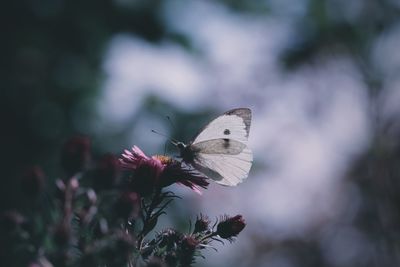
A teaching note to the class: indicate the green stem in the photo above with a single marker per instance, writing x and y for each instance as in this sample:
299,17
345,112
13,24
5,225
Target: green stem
147,218
208,236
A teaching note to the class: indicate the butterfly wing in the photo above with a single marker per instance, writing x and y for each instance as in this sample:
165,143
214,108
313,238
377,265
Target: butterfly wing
225,169
220,150
233,124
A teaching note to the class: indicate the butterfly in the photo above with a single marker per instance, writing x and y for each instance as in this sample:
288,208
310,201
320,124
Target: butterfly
220,150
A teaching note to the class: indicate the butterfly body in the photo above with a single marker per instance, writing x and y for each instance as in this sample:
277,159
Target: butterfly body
220,149
187,154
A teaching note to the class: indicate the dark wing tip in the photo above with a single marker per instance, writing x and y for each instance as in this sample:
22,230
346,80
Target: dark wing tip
239,111
244,113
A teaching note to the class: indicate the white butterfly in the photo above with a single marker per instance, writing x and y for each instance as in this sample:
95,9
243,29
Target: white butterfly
220,150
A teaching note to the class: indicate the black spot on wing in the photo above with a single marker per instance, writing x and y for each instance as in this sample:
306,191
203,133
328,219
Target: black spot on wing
227,132
245,114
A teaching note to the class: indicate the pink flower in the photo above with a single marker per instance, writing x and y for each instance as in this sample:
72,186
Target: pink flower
176,172
133,160
156,172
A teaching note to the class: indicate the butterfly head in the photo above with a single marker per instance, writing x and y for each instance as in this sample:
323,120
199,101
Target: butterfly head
186,152
180,145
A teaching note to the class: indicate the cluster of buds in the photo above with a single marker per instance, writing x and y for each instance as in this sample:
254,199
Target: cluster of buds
179,249
106,209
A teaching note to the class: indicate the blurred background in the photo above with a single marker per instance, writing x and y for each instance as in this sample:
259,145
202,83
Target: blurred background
321,77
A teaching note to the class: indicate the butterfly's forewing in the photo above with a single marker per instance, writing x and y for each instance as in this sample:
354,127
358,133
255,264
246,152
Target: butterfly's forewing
233,124
220,150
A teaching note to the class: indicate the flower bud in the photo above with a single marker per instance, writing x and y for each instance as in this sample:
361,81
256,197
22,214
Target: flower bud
187,250
169,238
189,244
230,226
91,196
202,224
74,184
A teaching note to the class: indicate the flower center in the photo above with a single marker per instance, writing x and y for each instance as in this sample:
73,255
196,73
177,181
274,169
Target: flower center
163,159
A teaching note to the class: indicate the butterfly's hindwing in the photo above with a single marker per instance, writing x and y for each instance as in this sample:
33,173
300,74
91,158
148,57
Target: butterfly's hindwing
225,169
219,146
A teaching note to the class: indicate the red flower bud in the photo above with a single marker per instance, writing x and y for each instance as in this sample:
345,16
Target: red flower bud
202,224
230,226
189,244
187,250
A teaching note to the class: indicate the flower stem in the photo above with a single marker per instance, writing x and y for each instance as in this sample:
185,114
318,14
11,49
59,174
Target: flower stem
208,236
147,217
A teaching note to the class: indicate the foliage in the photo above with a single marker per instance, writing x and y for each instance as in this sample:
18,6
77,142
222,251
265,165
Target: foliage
97,217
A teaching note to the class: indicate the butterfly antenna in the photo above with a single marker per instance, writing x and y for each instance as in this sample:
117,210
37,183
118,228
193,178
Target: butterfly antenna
171,140
170,121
